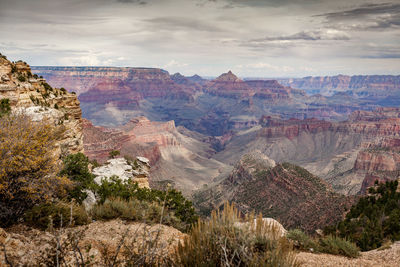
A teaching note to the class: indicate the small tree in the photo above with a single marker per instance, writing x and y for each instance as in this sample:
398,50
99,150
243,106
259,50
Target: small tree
114,153
76,169
28,166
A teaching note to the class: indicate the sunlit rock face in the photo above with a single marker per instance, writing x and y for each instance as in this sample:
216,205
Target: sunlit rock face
137,171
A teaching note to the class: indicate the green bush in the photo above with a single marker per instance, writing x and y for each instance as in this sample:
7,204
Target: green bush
76,169
114,153
223,240
338,246
329,244
374,219
302,241
174,200
60,213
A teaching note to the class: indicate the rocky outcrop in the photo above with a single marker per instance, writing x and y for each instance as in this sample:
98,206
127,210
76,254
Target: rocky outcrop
137,171
30,94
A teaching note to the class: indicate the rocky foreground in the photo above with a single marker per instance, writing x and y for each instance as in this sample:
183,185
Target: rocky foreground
31,247
99,240
384,258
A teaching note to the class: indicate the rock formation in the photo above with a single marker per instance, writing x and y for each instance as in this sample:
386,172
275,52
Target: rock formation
31,95
174,156
343,153
360,85
111,96
137,171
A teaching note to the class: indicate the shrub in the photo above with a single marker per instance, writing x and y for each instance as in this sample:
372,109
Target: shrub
374,219
5,108
329,244
28,167
174,200
135,210
338,246
220,241
21,78
76,169
302,241
58,214
114,153
47,86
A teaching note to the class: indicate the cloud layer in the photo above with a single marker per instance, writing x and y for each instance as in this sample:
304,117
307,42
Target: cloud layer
259,38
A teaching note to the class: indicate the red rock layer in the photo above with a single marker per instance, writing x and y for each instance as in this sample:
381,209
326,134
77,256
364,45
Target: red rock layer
139,137
291,128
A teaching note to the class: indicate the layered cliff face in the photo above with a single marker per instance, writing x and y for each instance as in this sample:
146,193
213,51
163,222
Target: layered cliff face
174,157
111,96
343,153
32,95
285,192
361,85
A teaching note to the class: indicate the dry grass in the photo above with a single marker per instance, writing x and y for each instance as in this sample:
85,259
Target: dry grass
223,240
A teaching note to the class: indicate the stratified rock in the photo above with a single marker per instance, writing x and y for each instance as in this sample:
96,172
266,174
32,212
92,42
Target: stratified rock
174,156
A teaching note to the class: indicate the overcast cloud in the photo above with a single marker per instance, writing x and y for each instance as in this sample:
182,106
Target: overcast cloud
258,38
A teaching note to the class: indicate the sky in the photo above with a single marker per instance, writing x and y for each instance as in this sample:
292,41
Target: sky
253,38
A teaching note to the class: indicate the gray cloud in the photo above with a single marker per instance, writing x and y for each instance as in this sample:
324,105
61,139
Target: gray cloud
206,37
363,11
365,17
140,2
179,23
308,36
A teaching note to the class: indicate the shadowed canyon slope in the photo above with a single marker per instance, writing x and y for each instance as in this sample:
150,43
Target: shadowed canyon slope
285,192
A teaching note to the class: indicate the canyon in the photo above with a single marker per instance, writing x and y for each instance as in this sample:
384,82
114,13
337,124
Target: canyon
110,96
197,134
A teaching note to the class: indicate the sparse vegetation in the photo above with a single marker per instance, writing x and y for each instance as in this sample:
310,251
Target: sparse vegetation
135,210
328,244
221,241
